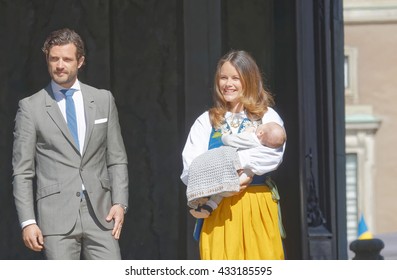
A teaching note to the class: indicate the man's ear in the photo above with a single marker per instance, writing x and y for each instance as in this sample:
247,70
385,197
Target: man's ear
80,62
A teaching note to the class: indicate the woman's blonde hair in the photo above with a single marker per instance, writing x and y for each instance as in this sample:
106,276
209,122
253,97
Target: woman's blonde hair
255,99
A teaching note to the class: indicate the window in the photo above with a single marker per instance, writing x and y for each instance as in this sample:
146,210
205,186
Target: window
351,93
351,197
361,127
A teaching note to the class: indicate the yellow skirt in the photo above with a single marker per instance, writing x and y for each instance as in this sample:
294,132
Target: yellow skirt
243,227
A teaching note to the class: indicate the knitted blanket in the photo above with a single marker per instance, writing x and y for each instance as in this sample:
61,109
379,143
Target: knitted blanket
214,172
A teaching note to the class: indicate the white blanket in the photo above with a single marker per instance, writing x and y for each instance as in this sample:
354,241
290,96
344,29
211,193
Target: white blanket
214,172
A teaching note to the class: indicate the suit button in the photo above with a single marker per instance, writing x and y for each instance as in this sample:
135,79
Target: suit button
78,194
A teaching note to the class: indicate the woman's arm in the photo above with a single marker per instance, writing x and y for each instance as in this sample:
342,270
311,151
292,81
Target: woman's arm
196,143
261,159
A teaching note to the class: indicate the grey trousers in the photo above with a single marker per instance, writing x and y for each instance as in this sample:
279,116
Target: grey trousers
86,241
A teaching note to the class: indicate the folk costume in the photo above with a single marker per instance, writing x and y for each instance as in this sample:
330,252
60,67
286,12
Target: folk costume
246,225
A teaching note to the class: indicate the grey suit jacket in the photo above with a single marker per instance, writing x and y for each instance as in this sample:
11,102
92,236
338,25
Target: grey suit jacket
44,152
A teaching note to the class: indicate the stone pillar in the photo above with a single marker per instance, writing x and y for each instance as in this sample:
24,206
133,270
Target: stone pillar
367,249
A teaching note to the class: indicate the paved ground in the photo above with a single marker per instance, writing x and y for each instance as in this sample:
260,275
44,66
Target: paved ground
390,240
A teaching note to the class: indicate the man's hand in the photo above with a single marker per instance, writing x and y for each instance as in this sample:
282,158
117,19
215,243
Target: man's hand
33,238
116,213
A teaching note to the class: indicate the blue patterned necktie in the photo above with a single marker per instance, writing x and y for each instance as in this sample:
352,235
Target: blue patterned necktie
71,114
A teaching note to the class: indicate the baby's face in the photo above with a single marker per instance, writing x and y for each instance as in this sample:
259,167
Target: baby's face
261,136
260,131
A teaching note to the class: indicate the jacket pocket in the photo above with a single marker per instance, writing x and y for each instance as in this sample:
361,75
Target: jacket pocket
48,190
105,183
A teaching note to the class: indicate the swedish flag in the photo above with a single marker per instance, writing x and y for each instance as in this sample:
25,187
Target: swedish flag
363,232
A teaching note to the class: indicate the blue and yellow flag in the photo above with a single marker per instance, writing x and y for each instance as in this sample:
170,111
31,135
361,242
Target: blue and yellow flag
363,232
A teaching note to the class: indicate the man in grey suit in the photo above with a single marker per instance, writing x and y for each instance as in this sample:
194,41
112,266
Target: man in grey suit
67,140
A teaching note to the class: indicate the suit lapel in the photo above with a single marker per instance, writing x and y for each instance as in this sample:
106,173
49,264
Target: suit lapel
89,108
56,115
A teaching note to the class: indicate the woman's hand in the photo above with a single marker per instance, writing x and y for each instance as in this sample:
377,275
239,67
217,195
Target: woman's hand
244,181
242,188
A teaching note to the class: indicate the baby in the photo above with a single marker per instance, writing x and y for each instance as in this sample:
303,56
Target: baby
213,175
